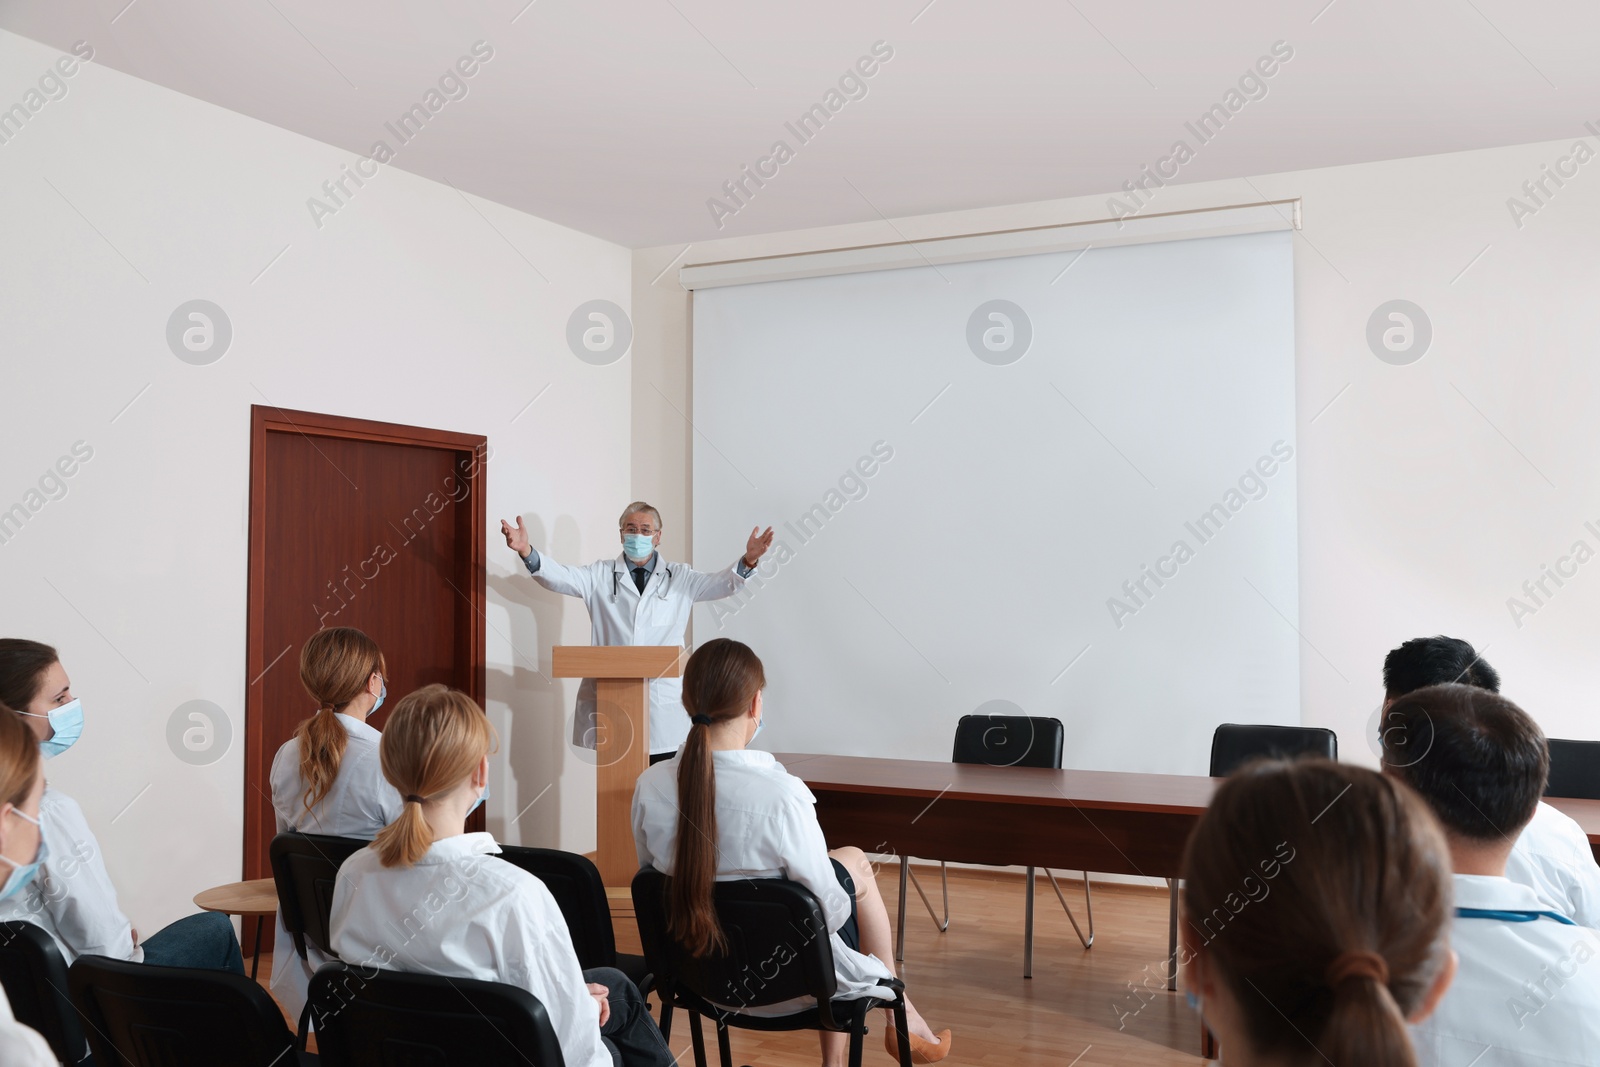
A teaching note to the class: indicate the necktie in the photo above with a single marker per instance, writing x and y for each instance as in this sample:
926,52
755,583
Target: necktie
640,578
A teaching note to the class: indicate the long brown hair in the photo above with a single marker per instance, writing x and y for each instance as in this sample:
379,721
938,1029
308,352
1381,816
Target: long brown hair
1322,892
335,666
432,743
19,758
719,682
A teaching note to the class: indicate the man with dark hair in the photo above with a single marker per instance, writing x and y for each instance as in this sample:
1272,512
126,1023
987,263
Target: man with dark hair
1425,661
1552,854
1525,986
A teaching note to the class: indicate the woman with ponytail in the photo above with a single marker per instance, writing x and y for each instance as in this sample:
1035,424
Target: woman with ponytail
427,897
719,810
326,779
1316,903
21,852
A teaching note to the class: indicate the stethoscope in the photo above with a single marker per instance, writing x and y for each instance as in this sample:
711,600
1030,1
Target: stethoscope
666,581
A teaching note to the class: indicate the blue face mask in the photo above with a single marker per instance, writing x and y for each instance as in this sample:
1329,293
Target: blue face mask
66,722
638,546
759,724
383,692
23,873
481,798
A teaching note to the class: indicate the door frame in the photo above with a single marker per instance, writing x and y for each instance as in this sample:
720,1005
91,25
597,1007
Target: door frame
265,419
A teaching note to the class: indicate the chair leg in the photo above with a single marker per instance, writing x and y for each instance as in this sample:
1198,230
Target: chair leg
944,881
722,1044
666,1017
902,1030
698,1039
1088,906
858,1036
1027,930
1172,937
900,923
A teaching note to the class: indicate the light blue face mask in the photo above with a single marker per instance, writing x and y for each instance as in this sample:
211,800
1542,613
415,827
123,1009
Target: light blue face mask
23,873
383,692
761,722
67,724
481,798
638,546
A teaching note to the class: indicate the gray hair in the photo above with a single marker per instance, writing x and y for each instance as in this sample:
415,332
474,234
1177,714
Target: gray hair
635,508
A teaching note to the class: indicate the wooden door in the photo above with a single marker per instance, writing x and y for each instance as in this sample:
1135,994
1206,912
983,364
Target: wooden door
364,524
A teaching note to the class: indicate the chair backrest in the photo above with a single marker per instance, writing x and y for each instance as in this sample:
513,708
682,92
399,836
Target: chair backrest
304,868
575,883
1574,769
143,1015
373,1016
34,977
778,948
1009,741
1234,744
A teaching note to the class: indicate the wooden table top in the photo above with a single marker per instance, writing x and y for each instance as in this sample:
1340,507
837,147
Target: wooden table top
256,897
1119,790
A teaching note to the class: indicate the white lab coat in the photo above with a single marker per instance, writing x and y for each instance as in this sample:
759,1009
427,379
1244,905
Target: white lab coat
1527,994
1553,857
461,913
72,897
22,1046
766,828
359,804
620,615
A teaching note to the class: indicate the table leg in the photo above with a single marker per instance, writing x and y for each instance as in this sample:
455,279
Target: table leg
1172,937
900,936
255,957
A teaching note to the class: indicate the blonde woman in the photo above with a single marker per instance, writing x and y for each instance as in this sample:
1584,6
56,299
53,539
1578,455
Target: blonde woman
427,897
21,789
326,779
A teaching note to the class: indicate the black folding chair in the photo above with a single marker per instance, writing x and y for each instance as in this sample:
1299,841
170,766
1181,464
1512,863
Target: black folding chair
304,869
1002,741
34,977
367,1016
575,883
778,950
1574,769
141,1015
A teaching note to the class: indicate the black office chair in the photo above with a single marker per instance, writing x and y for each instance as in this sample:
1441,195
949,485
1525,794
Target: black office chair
304,869
34,977
1001,741
575,883
778,950
369,1016
141,1015
1574,769
1233,745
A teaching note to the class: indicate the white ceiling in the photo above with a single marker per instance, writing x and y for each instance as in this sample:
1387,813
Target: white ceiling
621,119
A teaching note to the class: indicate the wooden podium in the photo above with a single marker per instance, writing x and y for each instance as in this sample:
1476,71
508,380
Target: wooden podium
622,676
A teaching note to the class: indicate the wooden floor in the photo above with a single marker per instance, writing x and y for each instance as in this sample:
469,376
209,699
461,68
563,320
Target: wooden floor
1076,1011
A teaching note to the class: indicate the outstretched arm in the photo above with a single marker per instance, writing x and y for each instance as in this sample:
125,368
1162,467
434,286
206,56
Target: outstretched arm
725,583
556,577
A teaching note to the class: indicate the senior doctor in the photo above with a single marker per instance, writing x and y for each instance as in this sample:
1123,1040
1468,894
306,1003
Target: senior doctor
638,598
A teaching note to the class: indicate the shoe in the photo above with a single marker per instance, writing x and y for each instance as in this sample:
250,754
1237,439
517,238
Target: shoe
921,1051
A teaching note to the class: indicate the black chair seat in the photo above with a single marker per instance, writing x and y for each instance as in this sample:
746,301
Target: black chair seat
1233,745
34,977
369,1016
774,956
141,1015
1574,769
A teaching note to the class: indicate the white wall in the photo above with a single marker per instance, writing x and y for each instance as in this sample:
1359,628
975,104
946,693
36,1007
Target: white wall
1428,492
125,200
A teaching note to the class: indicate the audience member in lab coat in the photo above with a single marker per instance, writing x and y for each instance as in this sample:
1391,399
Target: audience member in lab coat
327,778
1316,900
430,898
1528,989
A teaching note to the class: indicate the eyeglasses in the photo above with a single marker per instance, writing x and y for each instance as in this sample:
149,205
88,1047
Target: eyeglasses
647,531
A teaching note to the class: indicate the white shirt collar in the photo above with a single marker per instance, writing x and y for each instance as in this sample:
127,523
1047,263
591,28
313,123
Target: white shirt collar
357,727
1493,893
460,846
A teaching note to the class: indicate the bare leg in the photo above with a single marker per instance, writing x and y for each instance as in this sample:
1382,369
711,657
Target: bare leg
877,935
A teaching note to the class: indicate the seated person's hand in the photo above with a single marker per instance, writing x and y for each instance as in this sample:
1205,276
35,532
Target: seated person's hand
602,997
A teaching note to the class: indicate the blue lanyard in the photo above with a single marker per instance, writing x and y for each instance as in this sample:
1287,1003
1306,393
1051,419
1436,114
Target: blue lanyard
1512,916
